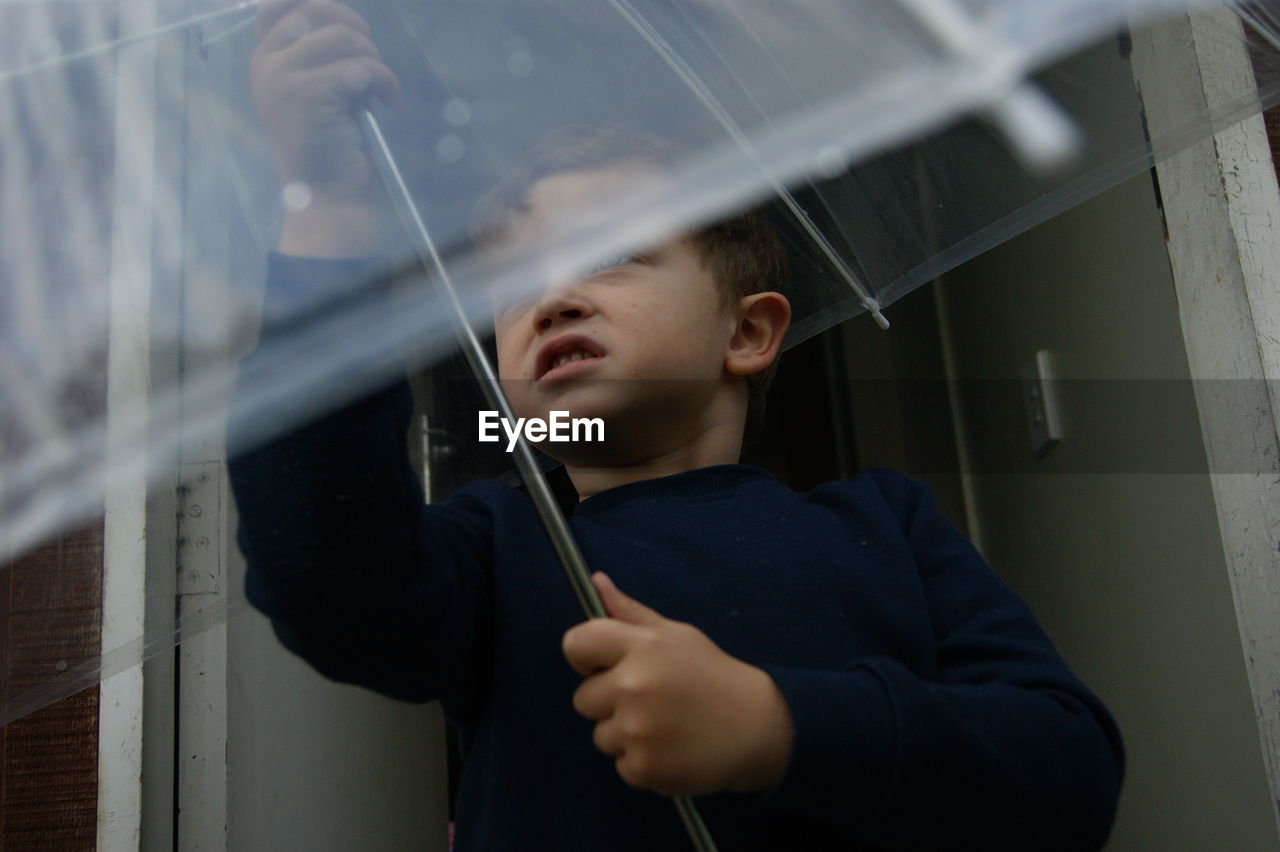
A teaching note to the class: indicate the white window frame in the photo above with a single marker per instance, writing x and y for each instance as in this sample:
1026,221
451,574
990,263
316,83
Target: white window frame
1222,207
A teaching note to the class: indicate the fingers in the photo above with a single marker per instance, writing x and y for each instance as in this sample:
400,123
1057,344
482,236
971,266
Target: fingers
608,738
269,14
622,606
383,83
596,644
358,76
595,698
328,44
636,766
280,23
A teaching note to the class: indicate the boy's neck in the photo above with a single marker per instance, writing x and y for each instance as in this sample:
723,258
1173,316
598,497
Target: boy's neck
718,444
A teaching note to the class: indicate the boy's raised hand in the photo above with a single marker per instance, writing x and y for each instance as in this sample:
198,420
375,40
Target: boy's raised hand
680,716
313,67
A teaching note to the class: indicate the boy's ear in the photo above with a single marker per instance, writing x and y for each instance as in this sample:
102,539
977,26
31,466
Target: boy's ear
762,321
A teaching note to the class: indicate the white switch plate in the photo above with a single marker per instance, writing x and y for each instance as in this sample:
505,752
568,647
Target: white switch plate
1039,400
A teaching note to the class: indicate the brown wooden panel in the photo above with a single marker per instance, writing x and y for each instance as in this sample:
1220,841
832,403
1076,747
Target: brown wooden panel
50,621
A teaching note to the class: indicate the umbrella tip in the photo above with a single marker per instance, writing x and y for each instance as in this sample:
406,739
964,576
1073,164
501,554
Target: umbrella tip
881,319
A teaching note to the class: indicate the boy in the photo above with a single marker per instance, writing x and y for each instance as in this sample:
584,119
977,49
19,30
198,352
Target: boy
830,670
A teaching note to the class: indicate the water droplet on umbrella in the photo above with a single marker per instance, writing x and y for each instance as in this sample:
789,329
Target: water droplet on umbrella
457,112
450,148
296,196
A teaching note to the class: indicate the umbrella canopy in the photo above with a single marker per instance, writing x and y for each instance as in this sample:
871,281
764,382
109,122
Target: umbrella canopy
894,139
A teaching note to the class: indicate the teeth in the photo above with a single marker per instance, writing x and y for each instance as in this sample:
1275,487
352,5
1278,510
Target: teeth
565,358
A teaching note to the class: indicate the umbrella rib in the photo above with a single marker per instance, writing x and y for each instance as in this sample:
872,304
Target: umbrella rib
136,651
722,117
1036,128
208,41
782,73
1265,23
107,47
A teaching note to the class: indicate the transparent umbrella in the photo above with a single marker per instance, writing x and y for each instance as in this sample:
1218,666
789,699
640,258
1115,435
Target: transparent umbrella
894,139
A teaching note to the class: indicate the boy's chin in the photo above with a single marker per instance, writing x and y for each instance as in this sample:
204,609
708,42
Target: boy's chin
611,399
638,416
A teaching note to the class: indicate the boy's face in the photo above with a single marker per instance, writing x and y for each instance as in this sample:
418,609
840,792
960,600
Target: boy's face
640,343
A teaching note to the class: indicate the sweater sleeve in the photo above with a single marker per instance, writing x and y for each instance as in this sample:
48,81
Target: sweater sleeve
1004,749
357,575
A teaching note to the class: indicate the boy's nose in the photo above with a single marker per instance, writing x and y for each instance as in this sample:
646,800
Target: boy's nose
560,303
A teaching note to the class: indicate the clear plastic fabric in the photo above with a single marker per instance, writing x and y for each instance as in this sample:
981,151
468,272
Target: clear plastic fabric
892,140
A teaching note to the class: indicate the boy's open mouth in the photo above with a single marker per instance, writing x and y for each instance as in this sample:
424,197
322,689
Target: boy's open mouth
559,357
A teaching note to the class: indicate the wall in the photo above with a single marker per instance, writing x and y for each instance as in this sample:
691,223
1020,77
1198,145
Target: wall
318,765
1112,538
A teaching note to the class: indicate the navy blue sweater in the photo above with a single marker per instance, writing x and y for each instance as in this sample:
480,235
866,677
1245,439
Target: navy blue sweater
930,709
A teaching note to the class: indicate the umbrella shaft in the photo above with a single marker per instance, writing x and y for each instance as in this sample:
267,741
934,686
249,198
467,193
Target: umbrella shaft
562,540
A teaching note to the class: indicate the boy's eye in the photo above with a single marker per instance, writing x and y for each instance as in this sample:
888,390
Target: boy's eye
612,263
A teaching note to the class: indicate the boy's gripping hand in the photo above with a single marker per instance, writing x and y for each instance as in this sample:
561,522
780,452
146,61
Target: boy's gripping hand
680,716
314,65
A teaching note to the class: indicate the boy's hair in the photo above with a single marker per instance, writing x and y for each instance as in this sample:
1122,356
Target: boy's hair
742,252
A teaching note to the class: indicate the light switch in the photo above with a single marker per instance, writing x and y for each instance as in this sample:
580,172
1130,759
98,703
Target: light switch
1044,422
